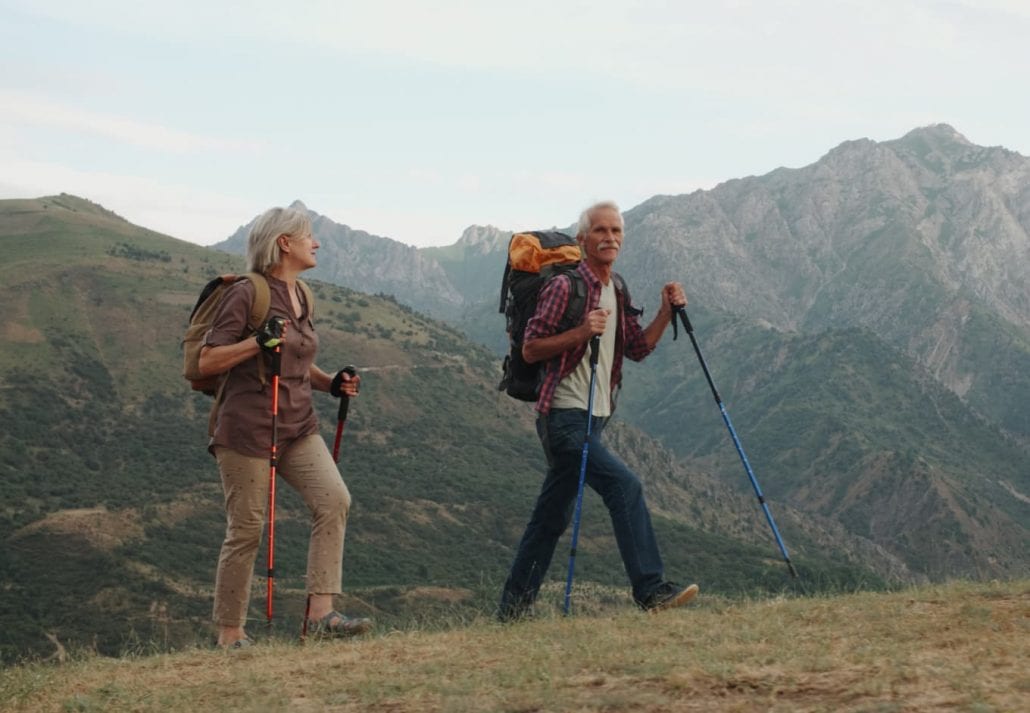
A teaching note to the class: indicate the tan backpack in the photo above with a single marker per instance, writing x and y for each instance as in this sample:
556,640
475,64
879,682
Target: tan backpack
203,315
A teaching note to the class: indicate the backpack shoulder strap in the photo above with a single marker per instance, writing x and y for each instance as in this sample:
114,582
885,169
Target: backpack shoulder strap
258,313
627,301
577,304
309,298
262,300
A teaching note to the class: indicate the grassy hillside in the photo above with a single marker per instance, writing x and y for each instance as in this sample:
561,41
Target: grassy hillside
111,508
841,425
954,647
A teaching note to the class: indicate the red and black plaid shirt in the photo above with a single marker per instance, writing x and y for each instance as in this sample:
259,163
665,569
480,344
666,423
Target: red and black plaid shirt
629,336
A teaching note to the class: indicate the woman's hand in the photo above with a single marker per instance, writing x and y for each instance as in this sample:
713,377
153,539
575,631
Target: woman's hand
346,383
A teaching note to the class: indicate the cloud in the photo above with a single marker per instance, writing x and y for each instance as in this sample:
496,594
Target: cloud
737,48
22,108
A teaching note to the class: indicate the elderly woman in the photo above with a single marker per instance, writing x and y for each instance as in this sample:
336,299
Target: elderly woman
280,247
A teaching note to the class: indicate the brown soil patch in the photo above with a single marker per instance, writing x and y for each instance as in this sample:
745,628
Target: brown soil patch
103,529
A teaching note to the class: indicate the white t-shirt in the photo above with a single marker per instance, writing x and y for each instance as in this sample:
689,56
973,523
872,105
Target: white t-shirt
574,390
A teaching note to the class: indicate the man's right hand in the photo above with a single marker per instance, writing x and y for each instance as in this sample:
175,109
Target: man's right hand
596,321
543,348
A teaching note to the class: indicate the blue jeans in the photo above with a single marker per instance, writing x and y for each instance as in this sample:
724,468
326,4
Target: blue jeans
562,432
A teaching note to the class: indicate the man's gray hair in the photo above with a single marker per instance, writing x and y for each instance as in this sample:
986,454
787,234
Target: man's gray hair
263,244
587,216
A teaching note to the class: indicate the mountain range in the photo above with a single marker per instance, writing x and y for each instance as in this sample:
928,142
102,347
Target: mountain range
865,319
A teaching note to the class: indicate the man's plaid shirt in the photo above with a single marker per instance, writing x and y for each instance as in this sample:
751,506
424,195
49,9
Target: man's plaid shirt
629,336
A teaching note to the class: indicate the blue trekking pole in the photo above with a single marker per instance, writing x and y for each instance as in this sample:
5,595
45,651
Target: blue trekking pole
594,343
682,312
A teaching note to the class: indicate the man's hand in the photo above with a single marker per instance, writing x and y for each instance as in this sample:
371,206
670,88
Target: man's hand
596,321
673,297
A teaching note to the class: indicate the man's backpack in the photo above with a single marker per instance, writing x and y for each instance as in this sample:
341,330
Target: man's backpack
204,313
534,259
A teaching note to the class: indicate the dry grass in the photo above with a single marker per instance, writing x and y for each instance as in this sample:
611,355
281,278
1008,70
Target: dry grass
961,647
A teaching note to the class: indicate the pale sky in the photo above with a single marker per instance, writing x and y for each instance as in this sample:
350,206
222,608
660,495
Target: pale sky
414,120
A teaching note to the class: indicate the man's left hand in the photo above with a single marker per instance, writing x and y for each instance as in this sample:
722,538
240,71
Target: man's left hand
673,296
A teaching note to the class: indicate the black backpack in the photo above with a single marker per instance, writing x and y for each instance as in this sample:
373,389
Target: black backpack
535,258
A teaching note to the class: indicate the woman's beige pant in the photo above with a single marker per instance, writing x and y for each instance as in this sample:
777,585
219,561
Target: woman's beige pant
308,468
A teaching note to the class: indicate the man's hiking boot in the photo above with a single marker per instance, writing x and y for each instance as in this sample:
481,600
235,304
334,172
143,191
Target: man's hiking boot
514,613
668,595
514,608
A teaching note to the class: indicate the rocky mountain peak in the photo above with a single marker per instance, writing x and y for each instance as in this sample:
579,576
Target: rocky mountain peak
938,134
485,238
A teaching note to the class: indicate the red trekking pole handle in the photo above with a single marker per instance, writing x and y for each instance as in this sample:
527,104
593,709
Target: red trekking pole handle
341,416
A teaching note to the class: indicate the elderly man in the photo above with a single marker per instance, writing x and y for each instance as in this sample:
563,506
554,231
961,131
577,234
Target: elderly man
562,420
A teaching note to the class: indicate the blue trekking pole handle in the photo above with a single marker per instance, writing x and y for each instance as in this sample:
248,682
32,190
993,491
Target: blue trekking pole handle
682,312
594,344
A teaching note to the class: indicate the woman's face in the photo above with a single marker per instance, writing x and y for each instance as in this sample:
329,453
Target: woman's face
300,249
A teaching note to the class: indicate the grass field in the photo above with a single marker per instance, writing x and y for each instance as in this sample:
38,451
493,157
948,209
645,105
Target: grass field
961,647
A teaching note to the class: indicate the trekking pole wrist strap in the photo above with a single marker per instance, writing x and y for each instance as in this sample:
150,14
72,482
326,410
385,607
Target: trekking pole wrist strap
681,311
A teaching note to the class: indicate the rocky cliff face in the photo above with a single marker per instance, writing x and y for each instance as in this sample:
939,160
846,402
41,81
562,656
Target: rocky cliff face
799,248
372,264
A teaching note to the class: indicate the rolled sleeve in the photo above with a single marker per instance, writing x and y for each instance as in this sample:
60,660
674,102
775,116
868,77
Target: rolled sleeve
636,343
549,309
231,321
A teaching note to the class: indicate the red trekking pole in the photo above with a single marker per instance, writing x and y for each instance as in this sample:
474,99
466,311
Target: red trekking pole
275,328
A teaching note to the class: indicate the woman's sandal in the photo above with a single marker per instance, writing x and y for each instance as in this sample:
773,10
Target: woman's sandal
335,624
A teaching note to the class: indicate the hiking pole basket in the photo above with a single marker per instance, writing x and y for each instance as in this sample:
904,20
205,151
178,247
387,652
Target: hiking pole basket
682,312
594,343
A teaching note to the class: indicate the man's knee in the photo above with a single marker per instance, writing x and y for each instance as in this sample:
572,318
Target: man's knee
620,480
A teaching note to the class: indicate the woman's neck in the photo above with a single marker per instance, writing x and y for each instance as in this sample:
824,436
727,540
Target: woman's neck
281,272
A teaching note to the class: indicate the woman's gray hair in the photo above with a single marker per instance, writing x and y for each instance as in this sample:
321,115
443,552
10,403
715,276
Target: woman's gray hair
587,216
263,244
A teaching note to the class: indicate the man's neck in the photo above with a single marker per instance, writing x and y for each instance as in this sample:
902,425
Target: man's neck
602,270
